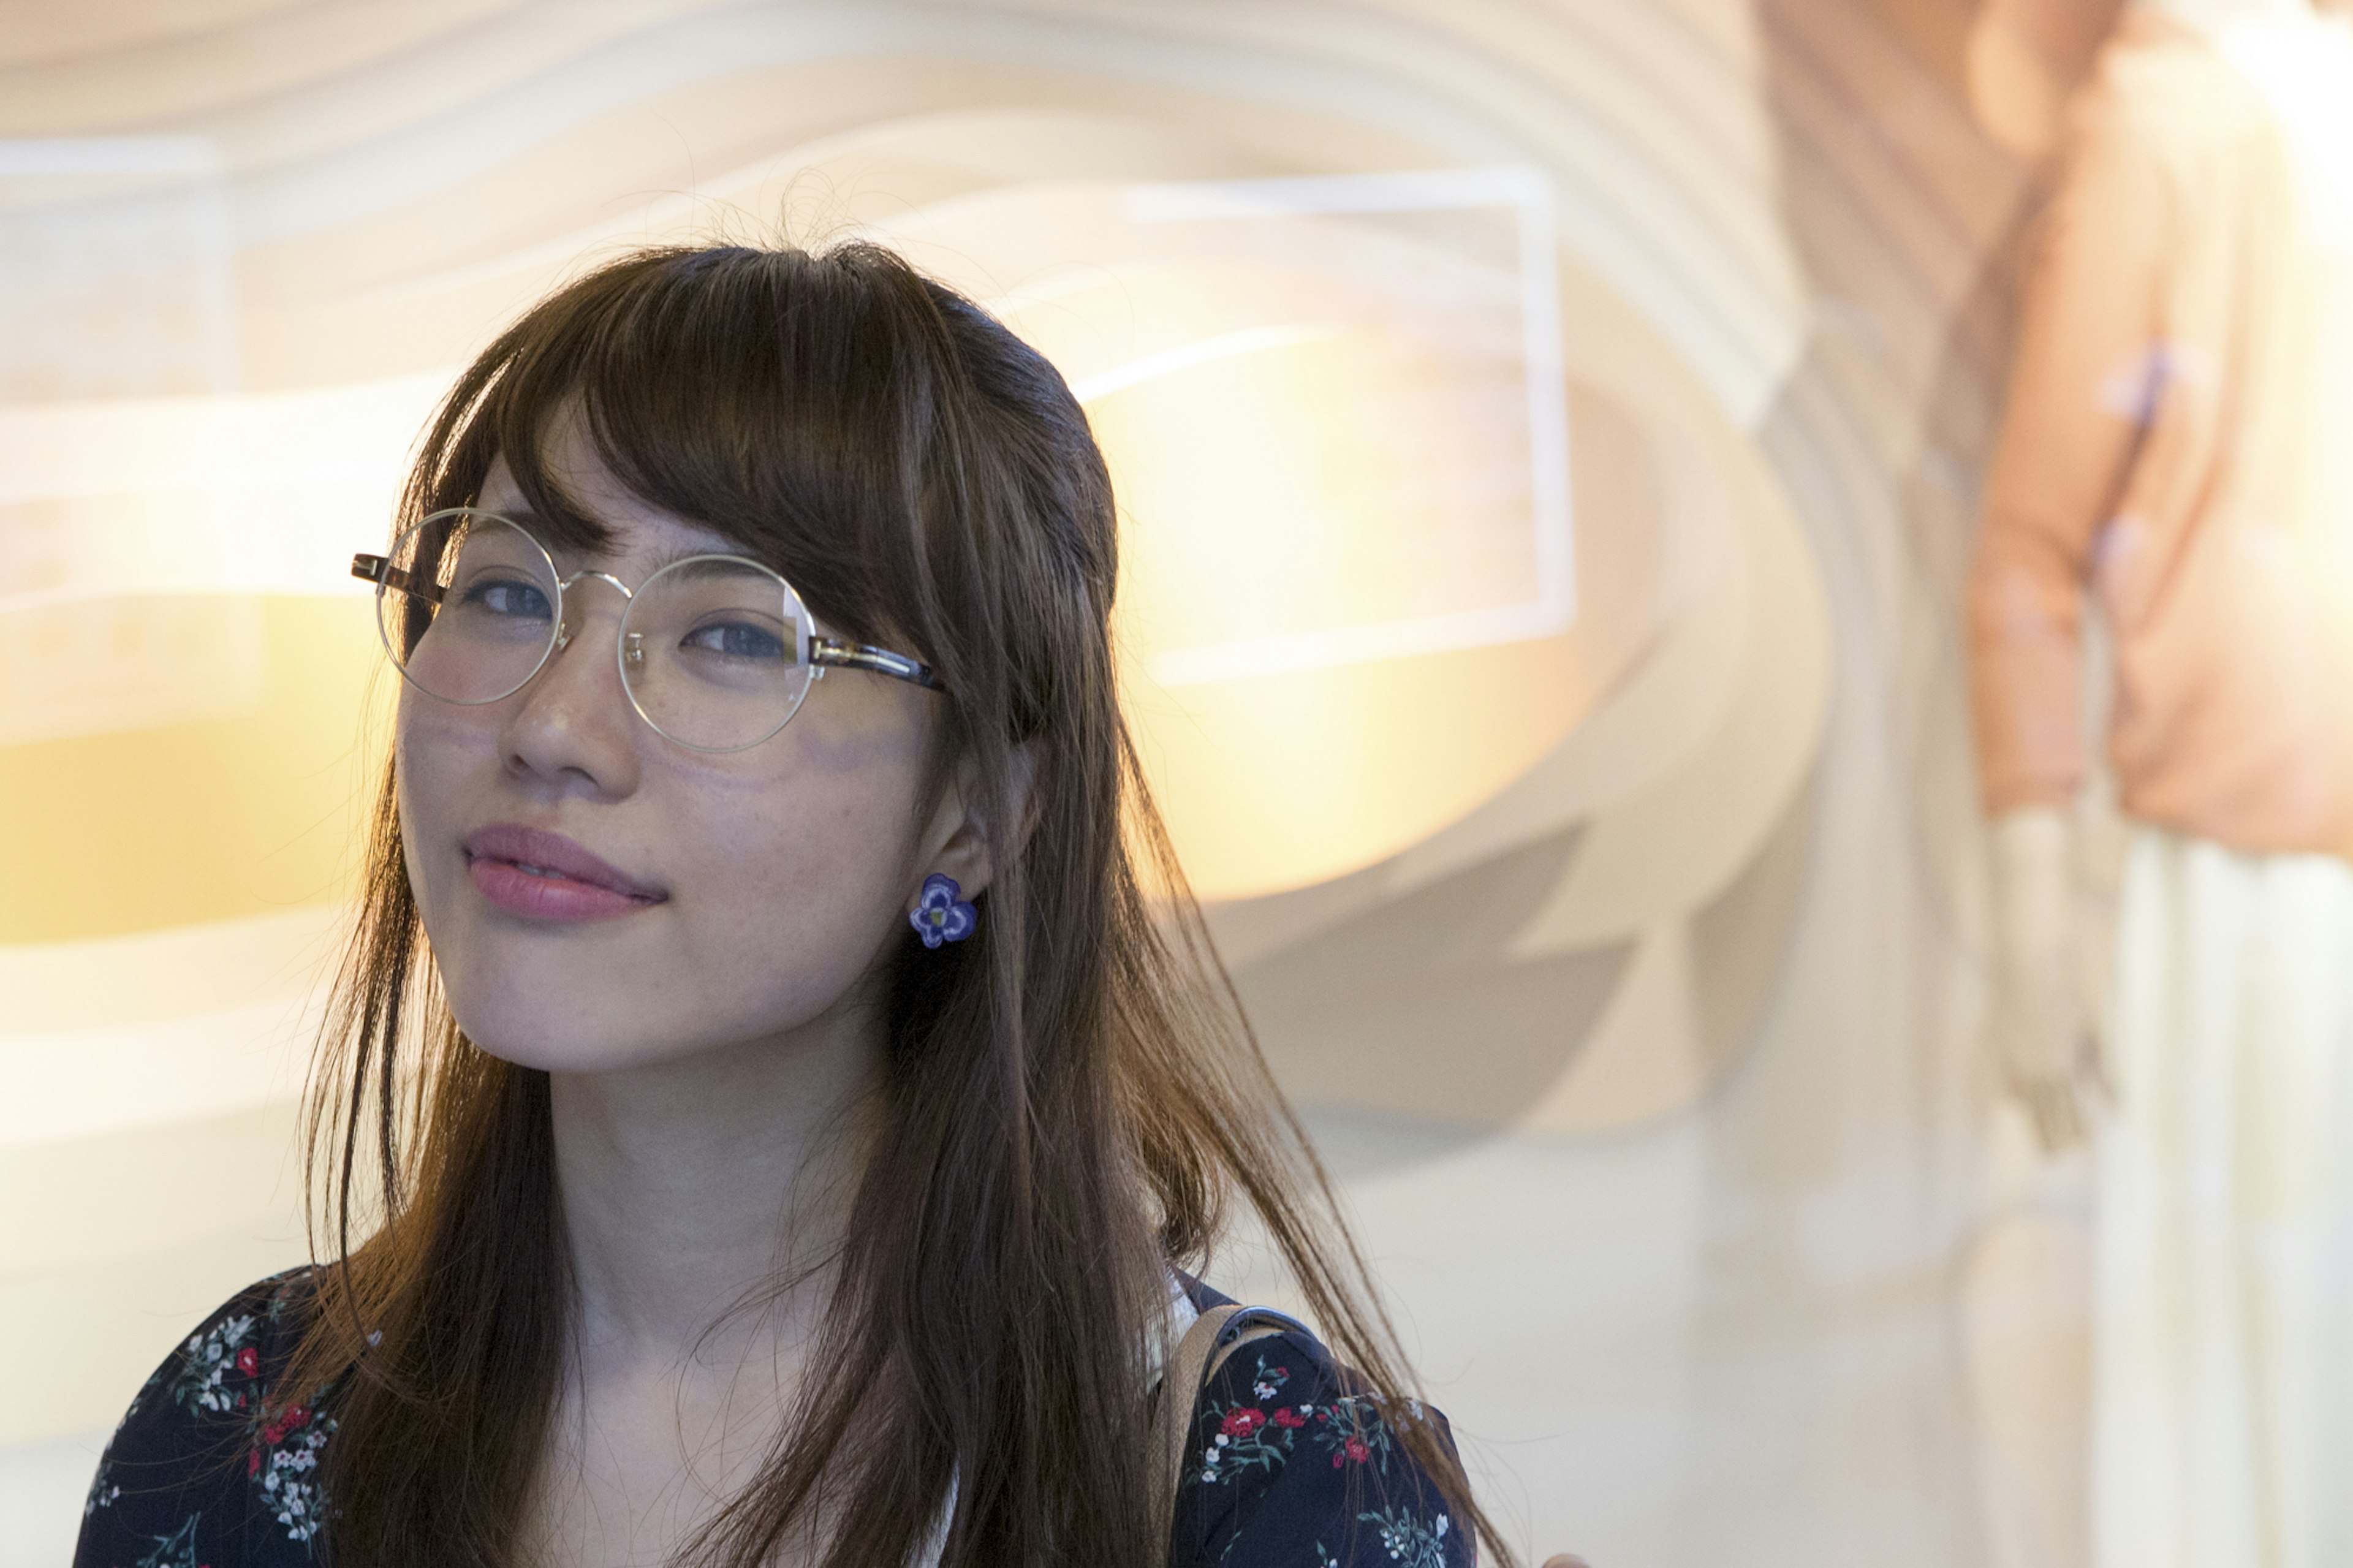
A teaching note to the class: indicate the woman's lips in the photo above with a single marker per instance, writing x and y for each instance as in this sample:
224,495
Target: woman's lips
544,876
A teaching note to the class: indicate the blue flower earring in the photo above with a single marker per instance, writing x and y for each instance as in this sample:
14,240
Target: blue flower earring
941,916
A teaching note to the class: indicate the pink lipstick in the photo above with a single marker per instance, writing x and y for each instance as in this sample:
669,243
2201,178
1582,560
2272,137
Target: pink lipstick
545,876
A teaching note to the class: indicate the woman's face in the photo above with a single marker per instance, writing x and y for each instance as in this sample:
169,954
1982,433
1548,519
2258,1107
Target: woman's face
680,901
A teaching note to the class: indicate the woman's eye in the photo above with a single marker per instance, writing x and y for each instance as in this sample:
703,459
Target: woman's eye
505,596
735,639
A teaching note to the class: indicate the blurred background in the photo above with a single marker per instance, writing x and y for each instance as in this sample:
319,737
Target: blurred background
1548,435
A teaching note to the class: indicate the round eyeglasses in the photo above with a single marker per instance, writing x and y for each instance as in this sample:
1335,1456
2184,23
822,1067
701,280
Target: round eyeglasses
716,652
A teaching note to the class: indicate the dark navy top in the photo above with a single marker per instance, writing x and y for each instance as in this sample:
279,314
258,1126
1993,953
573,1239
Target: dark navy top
1287,1468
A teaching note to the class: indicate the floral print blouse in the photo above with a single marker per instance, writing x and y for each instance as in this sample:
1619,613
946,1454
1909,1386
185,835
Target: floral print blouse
1287,1468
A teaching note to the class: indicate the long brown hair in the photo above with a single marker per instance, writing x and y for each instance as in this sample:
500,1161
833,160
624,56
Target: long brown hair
1073,1098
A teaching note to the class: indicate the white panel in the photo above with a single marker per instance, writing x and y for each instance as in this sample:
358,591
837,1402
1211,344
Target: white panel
41,1490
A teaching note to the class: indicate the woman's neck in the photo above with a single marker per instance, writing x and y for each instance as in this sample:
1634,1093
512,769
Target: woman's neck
686,1191
690,1187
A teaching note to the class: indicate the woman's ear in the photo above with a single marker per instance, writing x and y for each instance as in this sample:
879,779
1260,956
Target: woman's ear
957,842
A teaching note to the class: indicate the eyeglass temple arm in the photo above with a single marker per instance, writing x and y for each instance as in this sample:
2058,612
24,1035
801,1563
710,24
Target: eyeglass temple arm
376,569
881,661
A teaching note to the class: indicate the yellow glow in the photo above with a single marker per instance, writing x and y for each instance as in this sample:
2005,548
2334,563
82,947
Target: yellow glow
1287,491
240,813
1293,779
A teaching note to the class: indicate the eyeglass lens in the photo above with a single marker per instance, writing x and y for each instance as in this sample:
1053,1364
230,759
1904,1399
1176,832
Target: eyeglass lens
713,650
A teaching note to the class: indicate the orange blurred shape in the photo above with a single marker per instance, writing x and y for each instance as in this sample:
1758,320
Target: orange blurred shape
2024,56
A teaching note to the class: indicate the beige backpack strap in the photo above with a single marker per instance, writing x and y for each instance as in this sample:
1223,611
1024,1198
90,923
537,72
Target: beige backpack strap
1180,1386
1214,1337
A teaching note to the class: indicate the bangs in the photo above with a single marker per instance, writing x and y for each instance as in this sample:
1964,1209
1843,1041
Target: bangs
769,397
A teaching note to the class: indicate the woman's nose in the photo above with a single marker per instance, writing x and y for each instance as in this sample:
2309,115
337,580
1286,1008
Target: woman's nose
573,722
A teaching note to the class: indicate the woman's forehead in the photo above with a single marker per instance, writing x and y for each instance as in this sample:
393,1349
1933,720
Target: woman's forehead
634,529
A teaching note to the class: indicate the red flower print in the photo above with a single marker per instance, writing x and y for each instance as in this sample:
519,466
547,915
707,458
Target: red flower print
248,1362
1358,1451
296,1416
1241,1422
1289,1417
253,1463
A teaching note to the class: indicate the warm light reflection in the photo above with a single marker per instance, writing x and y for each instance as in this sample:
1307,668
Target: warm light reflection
1289,504
1335,418
243,806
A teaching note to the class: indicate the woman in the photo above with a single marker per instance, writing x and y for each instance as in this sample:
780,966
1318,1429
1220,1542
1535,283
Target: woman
777,1117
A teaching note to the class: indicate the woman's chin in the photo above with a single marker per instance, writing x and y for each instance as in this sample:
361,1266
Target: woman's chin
569,1039
571,1056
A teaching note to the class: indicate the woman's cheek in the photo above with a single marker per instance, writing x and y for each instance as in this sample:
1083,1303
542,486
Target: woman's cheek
433,761
822,865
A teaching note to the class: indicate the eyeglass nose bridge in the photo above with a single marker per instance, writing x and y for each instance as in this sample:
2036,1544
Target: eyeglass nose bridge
564,621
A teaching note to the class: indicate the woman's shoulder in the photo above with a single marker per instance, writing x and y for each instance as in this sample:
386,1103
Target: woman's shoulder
211,1465
1291,1458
